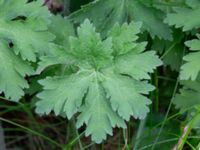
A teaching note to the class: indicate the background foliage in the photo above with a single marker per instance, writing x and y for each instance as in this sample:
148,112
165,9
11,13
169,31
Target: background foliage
100,74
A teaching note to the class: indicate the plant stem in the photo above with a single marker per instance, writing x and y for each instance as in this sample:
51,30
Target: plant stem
2,138
167,113
186,132
66,10
172,98
139,133
156,91
31,131
77,134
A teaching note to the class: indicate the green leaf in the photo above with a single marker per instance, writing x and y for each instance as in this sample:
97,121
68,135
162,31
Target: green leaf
62,97
88,49
188,101
171,51
151,18
193,3
23,37
29,35
12,9
99,89
168,6
13,71
98,115
56,55
126,96
121,11
136,64
189,97
62,29
123,37
182,17
191,68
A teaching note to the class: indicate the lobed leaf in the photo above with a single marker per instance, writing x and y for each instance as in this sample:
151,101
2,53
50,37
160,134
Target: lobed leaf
23,26
99,90
191,68
121,11
188,99
186,18
13,70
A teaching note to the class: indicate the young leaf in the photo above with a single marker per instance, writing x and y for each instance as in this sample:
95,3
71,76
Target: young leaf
100,89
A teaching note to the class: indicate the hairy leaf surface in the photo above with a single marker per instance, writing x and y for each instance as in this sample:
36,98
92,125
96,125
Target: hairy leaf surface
99,88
